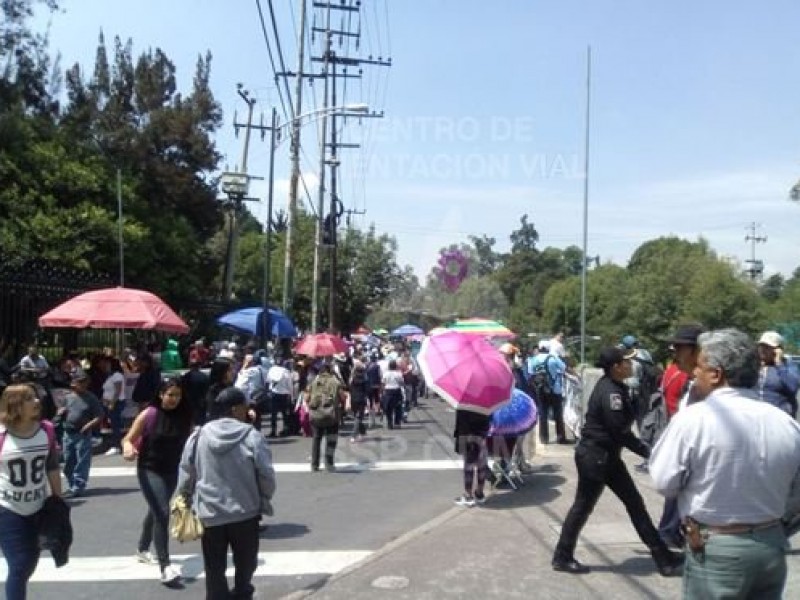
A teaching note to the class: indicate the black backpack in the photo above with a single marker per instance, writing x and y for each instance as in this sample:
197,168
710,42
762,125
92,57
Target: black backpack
541,383
649,381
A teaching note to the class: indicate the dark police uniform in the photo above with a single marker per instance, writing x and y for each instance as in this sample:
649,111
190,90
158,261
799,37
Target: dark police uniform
606,431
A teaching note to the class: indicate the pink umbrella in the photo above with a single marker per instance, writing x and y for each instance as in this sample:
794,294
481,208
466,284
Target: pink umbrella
321,344
115,308
467,371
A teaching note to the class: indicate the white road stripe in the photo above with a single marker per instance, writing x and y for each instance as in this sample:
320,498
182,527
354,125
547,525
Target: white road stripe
126,568
389,465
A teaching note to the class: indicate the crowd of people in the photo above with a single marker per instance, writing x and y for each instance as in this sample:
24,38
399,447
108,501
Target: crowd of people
730,404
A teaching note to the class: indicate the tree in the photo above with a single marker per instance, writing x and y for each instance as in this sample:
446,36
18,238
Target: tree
485,260
772,288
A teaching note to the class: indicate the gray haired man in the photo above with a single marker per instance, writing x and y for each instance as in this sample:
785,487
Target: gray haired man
734,465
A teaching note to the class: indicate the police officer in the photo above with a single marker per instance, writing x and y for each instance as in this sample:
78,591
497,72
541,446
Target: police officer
606,430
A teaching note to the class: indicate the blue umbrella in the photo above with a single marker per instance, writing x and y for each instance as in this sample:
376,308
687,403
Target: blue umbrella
407,330
251,321
515,418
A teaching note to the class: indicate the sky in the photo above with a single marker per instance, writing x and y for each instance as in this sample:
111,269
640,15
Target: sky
694,114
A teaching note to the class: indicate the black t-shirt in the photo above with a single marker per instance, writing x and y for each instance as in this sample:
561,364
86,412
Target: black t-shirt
609,417
162,447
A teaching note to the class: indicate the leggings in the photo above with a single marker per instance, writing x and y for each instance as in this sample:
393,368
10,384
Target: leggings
157,489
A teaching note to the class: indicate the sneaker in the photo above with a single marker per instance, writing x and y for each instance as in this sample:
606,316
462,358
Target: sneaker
480,500
112,452
466,501
170,575
145,557
72,493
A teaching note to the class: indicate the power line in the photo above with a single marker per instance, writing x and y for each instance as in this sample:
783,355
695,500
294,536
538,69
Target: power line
272,59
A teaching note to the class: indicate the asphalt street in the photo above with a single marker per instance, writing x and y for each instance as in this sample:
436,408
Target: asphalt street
324,522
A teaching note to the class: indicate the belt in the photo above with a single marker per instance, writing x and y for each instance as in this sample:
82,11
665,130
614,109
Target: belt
739,528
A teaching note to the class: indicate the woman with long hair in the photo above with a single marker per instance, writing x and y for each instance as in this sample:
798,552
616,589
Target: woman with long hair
220,376
156,439
28,474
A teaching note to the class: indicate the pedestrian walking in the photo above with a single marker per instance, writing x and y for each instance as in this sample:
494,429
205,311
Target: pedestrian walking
28,475
324,407
81,414
733,464
227,468
392,390
470,435
113,400
606,431
359,396
156,440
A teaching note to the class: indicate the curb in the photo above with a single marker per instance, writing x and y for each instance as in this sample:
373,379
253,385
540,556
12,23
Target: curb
385,550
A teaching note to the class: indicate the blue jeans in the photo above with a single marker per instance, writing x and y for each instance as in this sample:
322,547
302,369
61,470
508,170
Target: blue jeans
19,541
115,418
77,458
157,490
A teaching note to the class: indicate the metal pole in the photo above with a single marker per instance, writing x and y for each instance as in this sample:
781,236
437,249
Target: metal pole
120,224
586,202
295,175
332,234
320,189
268,241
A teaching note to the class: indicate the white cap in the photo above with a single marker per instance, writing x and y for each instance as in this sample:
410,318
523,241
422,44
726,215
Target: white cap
773,339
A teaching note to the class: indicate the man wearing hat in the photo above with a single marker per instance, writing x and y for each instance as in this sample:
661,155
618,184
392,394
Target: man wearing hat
733,464
81,414
226,467
684,347
778,381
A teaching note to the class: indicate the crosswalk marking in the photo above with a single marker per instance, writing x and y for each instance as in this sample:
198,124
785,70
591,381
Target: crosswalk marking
126,568
388,465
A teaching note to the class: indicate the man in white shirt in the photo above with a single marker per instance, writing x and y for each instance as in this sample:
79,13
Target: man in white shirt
733,464
281,387
34,363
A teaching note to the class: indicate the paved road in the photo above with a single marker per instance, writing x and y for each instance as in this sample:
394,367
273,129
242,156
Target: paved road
388,485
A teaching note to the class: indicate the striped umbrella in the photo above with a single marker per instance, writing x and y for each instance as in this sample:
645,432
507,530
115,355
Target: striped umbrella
482,327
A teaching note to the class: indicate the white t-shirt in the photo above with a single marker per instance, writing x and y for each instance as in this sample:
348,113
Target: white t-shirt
280,380
108,386
24,463
393,380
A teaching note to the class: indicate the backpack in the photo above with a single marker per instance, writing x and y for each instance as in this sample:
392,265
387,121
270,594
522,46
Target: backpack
655,419
49,429
649,382
262,395
323,401
151,414
541,383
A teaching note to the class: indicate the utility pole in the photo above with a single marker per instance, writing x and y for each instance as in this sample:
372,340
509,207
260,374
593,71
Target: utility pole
330,61
585,266
321,187
756,266
288,280
268,242
236,185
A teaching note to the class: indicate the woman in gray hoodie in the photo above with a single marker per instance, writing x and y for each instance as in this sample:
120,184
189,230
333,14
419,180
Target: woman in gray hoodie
227,467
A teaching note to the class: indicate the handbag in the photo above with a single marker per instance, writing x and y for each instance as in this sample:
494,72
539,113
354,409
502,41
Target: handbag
184,525
183,522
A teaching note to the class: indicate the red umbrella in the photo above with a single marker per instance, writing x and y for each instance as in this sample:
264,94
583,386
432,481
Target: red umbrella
115,308
321,344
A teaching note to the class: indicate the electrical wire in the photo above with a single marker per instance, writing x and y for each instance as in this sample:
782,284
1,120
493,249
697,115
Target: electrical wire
272,59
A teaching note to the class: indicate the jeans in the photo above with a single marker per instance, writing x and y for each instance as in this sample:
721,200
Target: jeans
281,404
331,434
20,544
669,527
748,565
393,407
77,458
555,403
158,490
242,538
359,408
115,418
597,468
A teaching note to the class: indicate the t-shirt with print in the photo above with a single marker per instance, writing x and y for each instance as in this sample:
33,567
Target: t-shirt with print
24,464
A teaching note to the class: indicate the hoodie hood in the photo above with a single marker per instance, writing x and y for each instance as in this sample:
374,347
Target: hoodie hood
172,345
223,435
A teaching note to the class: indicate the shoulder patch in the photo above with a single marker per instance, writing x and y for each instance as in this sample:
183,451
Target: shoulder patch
615,401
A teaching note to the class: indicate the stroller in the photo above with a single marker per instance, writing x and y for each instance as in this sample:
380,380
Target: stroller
505,460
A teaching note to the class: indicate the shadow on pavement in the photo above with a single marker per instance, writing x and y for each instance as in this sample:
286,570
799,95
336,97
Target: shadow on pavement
538,489
284,531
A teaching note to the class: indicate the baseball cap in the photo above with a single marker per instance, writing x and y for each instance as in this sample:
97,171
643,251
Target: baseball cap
686,335
629,341
773,339
544,345
610,356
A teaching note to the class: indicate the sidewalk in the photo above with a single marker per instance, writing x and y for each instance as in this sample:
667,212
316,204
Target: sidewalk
503,549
